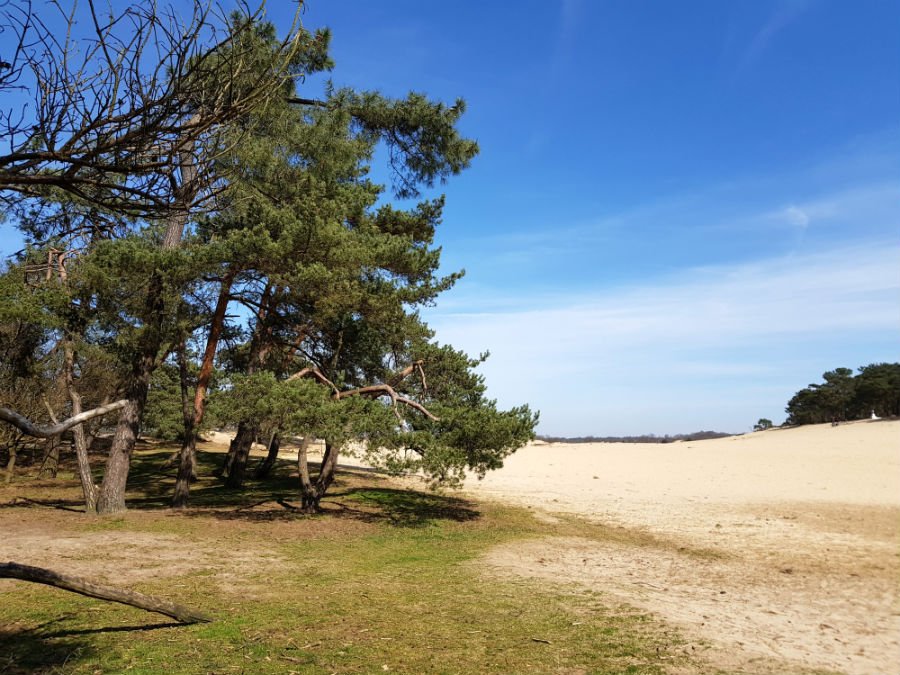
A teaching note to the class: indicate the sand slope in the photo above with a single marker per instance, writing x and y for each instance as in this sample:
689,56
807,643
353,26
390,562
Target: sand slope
781,549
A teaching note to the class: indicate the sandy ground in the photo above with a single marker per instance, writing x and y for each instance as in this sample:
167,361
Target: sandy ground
777,551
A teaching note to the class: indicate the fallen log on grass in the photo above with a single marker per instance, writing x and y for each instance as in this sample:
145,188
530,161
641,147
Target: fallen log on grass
67,582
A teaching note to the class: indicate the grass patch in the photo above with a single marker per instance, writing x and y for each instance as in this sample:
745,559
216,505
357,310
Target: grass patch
385,580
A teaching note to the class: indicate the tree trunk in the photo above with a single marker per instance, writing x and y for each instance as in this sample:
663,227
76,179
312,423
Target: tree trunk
88,488
326,472
242,444
187,461
260,345
50,465
193,417
265,466
111,498
307,490
11,463
39,575
311,493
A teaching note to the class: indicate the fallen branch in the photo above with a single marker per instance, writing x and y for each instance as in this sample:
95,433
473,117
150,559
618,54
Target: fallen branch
26,426
149,603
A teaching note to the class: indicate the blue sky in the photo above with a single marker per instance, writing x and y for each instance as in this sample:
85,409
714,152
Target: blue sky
682,213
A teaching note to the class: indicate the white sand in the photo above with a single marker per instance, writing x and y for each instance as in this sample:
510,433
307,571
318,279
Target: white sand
805,522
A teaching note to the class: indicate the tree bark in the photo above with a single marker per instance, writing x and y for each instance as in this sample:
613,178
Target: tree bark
111,497
239,450
241,446
311,493
50,465
307,490
11,462
79,585
88,488
193,420
25,425
265,466
187,461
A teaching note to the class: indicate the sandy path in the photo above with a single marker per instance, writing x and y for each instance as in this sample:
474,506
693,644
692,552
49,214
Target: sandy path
799,532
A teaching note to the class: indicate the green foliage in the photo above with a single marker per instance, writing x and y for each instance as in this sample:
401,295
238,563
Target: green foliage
320,274
163,417
763,424
843,396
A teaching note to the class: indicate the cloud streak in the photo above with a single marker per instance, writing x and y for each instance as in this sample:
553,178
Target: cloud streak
784,16
684,339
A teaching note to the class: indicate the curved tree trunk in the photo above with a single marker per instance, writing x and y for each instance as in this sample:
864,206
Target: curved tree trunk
186,457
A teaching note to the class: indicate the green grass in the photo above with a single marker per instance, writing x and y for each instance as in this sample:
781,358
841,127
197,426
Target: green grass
387,580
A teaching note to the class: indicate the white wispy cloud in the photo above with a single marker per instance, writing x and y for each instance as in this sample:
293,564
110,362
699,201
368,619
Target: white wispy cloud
787,13
795,216
683,340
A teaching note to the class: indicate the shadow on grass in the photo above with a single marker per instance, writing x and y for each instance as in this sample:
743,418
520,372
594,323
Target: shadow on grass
406,508
113,629
401,508
36,650
26,652
355,495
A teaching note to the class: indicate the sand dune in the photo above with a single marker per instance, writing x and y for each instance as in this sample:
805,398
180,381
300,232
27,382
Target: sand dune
780,549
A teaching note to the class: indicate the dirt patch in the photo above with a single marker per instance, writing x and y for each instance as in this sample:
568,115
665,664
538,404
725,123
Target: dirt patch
806,522
792,608
67,543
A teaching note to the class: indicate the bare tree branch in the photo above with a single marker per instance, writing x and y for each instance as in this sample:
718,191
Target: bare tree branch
113,113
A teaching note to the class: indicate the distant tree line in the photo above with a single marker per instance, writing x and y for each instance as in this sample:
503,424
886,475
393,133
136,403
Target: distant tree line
845,396
645,438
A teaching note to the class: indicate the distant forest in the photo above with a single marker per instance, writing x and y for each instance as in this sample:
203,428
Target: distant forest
646,438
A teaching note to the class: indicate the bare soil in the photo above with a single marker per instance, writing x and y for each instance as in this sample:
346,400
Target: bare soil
798,533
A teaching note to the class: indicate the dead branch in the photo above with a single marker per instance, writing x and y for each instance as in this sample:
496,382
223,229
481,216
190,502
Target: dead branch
374,390
379,390
81,586
116,108
25,425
